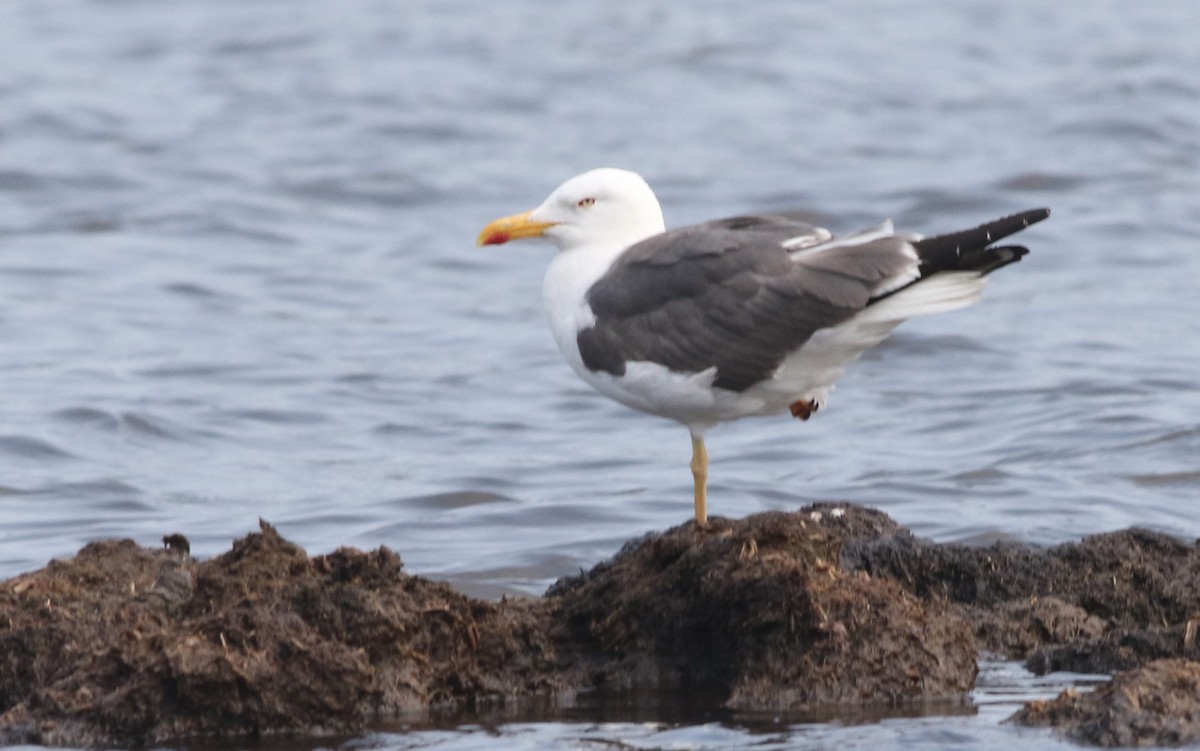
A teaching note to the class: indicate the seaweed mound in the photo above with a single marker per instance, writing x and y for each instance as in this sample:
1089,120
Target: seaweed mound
832,606
762,611
1154,705
126,645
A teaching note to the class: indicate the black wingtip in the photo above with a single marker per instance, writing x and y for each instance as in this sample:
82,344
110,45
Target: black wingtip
1001,228
1004,255
973,248
1032,216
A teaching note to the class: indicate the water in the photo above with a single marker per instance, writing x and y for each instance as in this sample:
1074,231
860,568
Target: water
237,279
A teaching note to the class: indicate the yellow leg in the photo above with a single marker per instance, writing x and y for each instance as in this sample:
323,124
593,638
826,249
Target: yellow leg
700,476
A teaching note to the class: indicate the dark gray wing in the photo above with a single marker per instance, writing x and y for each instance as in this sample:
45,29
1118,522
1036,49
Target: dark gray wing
728,295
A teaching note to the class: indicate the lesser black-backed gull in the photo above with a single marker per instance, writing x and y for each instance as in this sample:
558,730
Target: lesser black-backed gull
739,317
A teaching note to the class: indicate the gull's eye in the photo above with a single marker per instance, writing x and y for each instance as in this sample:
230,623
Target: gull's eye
585,202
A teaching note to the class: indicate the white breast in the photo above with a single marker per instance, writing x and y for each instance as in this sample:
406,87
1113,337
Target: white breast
564,291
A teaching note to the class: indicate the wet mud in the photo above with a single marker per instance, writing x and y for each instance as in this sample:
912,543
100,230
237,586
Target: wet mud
831,606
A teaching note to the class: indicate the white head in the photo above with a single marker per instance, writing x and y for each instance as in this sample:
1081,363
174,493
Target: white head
612,208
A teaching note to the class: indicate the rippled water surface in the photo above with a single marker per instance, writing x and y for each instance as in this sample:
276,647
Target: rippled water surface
238,279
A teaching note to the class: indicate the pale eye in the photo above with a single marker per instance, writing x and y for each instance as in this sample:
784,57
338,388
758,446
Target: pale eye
585,202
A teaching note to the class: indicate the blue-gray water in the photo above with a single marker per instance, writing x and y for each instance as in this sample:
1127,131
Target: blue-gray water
237,279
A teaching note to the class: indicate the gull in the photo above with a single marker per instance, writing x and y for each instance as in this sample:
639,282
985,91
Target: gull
748,316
